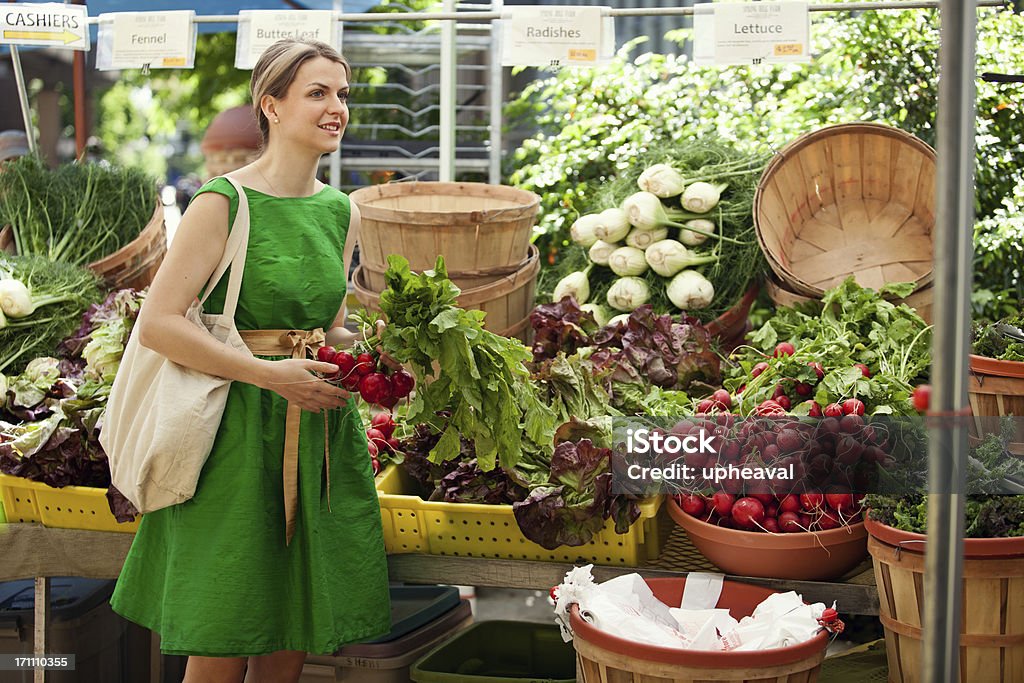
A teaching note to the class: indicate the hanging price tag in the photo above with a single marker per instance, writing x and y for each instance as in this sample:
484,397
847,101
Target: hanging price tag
554,36
752,33
259,29
45,25
159,40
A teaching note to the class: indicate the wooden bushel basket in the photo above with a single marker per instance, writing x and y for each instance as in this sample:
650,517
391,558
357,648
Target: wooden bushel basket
992,631
852,199
507,301
483,231
995,388
133,265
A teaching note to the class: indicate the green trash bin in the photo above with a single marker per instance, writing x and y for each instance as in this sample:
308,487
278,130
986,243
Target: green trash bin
500,652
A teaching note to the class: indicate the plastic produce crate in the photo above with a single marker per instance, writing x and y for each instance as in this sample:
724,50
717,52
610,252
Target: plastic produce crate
500,652
414,525
72,507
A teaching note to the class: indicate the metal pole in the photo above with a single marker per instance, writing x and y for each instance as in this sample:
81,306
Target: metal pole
26,114
950,348
497,99
449,66
335,156
78,81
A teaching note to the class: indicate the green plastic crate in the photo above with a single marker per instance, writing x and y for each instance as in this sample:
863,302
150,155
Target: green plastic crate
500,652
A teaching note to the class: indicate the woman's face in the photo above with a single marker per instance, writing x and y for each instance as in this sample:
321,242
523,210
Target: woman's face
314,111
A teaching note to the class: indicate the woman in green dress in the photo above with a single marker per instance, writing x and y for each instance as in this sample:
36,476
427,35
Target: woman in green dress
223,577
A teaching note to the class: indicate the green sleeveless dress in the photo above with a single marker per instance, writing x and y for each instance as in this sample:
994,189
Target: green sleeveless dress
213,575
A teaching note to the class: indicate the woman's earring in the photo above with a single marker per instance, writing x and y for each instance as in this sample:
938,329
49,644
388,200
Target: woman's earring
277,120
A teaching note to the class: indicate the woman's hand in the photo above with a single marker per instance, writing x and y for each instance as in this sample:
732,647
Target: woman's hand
293,380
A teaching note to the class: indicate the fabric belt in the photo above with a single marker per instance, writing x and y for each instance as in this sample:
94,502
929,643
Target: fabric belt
292,343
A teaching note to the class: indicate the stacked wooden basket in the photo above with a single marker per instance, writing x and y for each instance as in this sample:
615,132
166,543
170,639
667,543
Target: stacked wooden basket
852,199
483,231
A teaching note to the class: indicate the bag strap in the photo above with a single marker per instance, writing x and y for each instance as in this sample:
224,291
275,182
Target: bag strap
234,254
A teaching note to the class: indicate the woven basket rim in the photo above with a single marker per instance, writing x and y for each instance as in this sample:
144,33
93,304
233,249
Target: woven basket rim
365,196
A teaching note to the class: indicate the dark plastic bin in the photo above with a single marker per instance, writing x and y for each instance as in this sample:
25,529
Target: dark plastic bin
500,652
422,617
107,648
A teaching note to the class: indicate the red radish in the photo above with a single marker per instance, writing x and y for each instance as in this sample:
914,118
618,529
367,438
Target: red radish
385,423
375,463
351,381
765,498
722,503
769,408
326,354
780,390
693,505
723,397
864,370
346,362
376,435
771,525
851,424
789,503
804,389
828,520
812,500
819,369
789,440
784,402
371,446
789,522
784,349
922,397
394,444
707,406
840,500
365,363
833,410
388,402
374,387
402,384
853,406
815,410
758,369
748,512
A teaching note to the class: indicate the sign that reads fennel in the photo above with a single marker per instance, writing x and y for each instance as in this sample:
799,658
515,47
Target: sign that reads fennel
751,33
555,36
158,40
259,29
45,25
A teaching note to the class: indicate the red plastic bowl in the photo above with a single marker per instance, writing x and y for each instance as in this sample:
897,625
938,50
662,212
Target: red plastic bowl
807,556
739,598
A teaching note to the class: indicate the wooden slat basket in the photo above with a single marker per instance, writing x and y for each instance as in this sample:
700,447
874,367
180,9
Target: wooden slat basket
507,301
483,231
996,389
852,199
992,631
133,265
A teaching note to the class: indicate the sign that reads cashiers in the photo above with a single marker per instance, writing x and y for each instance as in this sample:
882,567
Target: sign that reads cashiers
46,25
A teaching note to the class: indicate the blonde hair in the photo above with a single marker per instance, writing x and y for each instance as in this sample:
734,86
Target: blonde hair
276,69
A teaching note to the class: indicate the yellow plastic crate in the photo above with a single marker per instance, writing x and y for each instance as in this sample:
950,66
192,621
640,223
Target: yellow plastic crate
414,525
72,507
19,495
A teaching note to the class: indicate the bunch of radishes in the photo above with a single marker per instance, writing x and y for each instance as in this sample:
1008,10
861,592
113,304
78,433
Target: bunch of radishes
362,372
380,439
812,510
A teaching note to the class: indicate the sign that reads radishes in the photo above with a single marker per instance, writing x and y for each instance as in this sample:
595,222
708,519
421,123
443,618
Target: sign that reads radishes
259,29
556,36
752,33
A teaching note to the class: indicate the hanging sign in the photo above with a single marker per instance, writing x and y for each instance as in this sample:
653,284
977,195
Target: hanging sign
752,33
259,29
555,36
157,40
45,25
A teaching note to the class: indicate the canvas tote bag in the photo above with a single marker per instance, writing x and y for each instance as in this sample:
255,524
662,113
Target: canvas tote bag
161,417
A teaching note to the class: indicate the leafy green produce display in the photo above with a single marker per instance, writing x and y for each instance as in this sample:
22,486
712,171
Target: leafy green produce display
482,380
990,341
42,302
78,213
